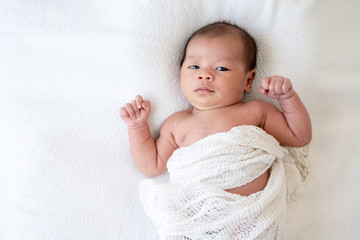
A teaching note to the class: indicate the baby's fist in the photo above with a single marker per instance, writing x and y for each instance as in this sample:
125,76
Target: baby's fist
277,87
136,113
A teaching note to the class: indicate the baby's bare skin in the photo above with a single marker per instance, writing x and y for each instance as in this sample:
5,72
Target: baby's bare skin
214,79
192,125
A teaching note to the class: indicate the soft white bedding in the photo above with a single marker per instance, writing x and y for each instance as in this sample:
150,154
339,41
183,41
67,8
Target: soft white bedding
66,67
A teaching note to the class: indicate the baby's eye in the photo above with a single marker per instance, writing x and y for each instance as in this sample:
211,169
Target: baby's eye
222,69
194,67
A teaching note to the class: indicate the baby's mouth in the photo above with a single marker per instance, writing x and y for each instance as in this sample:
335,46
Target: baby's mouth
204,90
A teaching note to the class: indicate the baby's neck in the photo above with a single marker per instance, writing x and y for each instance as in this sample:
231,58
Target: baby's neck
213,110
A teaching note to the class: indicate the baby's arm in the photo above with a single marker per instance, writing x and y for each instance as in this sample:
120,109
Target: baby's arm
149,156
292,127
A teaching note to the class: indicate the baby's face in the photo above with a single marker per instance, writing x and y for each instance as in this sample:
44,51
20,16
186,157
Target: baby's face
213,74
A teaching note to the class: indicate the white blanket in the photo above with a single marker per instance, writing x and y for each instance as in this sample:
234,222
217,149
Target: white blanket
66,67
195,205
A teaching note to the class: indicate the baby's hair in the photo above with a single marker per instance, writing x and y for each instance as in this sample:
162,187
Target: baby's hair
222,28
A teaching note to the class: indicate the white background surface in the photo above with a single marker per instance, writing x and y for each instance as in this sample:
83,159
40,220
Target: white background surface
66,67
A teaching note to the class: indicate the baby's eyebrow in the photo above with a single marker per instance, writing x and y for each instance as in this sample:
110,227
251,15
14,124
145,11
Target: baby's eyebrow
225,59
190,57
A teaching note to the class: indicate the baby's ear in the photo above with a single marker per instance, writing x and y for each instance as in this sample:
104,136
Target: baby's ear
250,76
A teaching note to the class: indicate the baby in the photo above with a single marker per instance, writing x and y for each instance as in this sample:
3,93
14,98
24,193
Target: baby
218,67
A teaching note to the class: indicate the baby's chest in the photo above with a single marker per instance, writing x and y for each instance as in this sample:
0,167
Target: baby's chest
188,134
193,128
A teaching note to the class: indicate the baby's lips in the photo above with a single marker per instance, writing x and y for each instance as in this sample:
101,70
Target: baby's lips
204,89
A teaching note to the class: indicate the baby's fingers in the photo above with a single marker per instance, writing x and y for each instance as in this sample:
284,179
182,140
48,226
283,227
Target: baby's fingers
146,105
265,86
136,109
130,110
139,101
265,83
124,113
277,86
286,86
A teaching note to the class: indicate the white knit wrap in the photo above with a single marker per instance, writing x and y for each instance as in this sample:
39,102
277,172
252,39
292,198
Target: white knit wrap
194,205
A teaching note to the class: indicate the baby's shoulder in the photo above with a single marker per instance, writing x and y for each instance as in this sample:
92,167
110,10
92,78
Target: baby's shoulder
179,116
257,111
175,118
259,105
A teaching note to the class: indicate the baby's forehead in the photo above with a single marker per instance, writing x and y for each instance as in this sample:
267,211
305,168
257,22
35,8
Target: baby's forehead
225,40
220,48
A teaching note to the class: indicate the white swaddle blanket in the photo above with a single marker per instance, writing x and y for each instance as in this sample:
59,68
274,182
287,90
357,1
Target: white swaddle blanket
194,205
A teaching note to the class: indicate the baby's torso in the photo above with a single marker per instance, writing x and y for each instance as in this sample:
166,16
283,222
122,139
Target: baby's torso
191,127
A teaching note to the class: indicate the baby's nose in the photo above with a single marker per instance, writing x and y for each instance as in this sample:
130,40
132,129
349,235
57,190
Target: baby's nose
206,76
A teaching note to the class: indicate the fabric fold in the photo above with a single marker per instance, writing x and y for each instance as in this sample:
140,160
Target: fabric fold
194,203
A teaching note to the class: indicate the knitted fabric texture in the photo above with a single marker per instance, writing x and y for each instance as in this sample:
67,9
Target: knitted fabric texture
194,205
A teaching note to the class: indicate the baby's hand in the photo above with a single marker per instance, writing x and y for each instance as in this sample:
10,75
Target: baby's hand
136,113
277,87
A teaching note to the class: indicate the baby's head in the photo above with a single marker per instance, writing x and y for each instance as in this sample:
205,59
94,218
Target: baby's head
218,66
246,41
